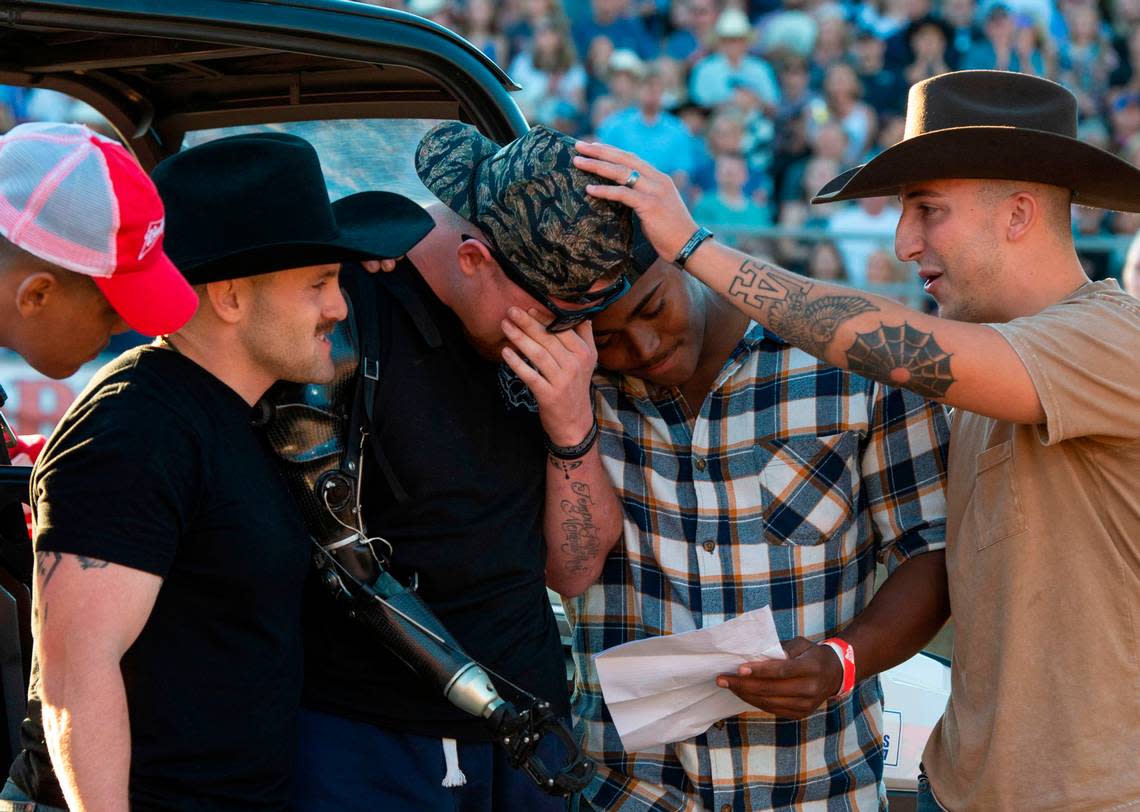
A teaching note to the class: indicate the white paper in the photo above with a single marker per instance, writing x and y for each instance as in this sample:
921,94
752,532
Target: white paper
663,689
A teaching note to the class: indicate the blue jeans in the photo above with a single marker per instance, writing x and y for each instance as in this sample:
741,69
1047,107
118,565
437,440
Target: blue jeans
925,801
347,766
14,799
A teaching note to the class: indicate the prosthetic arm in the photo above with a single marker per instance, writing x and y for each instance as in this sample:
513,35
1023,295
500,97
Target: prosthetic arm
308,428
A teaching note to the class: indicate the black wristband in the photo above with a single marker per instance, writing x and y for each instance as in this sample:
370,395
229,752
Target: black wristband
573,452
699,236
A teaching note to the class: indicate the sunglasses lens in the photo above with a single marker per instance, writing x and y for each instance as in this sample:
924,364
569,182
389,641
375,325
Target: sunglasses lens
563,319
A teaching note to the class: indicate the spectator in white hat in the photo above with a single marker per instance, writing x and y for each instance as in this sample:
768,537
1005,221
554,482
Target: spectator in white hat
716,77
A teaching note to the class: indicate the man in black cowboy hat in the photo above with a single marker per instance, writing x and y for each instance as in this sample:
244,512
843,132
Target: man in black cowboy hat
1044,544
483,500
170,556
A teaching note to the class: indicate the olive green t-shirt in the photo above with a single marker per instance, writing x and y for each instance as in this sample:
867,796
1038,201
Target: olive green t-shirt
1043,556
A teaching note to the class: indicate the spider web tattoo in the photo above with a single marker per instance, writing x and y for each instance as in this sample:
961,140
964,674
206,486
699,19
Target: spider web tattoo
902,356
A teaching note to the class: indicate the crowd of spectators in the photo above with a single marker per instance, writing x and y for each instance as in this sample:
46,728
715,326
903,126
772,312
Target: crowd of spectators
752,105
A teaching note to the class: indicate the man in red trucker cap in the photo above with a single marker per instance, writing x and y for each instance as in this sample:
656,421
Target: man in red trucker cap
81,254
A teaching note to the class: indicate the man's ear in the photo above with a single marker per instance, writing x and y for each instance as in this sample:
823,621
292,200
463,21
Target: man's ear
35,291
229,299
1025,211
473,257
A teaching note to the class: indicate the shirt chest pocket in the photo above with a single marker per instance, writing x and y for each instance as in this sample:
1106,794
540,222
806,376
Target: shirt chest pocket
806,487
995,507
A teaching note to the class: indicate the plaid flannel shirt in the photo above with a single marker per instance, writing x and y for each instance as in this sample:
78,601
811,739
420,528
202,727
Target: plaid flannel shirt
784,490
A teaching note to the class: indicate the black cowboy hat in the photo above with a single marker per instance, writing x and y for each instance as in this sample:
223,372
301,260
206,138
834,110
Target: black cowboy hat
252,204
984,124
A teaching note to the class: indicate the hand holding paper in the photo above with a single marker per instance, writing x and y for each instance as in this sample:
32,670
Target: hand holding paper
793,688
664,689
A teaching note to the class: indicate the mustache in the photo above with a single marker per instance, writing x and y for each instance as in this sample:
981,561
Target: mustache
324,328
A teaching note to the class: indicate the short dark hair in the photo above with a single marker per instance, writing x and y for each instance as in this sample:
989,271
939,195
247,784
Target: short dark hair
13,257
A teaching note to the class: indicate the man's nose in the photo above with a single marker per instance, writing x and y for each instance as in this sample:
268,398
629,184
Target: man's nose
908,244
336,308
643,342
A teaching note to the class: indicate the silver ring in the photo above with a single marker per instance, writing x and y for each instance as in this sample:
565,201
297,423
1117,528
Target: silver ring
634,177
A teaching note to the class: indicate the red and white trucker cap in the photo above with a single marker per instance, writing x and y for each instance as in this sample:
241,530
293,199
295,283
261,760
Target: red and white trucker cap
80,201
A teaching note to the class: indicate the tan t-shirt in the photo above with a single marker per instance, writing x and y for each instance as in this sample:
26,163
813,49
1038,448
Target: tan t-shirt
1043,555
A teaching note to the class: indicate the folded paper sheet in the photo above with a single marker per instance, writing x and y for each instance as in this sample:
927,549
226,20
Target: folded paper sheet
664,689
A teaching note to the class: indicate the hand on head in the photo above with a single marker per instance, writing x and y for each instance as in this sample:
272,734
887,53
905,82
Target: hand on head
375,265
651,194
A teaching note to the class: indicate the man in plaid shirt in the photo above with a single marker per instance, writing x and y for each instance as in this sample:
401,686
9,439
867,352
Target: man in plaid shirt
752,474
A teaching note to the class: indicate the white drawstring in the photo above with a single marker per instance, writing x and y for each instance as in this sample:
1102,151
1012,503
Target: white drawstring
454,776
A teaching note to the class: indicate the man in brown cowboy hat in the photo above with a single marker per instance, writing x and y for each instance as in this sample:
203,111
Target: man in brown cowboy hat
1038,362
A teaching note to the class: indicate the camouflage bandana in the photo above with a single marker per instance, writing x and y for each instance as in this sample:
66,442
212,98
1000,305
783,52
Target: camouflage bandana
531,202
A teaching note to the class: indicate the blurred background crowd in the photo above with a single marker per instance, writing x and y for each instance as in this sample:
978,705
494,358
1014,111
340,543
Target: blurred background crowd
752,105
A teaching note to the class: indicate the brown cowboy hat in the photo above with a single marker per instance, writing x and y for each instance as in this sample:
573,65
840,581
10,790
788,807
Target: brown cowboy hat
987,124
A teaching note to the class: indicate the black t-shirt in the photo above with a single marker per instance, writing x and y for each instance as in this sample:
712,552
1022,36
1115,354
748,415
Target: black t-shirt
156,467
473,467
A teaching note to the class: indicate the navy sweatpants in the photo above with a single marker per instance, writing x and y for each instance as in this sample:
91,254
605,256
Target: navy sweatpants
350,766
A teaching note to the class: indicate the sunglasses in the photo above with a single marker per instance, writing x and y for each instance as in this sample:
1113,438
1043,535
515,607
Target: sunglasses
593,302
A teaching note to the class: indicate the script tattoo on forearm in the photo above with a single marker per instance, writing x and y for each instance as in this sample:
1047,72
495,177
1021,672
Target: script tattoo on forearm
783,298
902,356
581,544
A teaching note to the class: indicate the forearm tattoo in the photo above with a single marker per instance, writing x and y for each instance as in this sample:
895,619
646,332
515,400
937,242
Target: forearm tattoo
581,544
898,356
810,325
565,466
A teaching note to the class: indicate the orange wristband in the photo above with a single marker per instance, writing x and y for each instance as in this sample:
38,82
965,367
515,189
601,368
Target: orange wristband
846,654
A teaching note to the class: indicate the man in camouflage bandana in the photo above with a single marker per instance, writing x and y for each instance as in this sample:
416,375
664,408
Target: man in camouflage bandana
485,364
531,204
